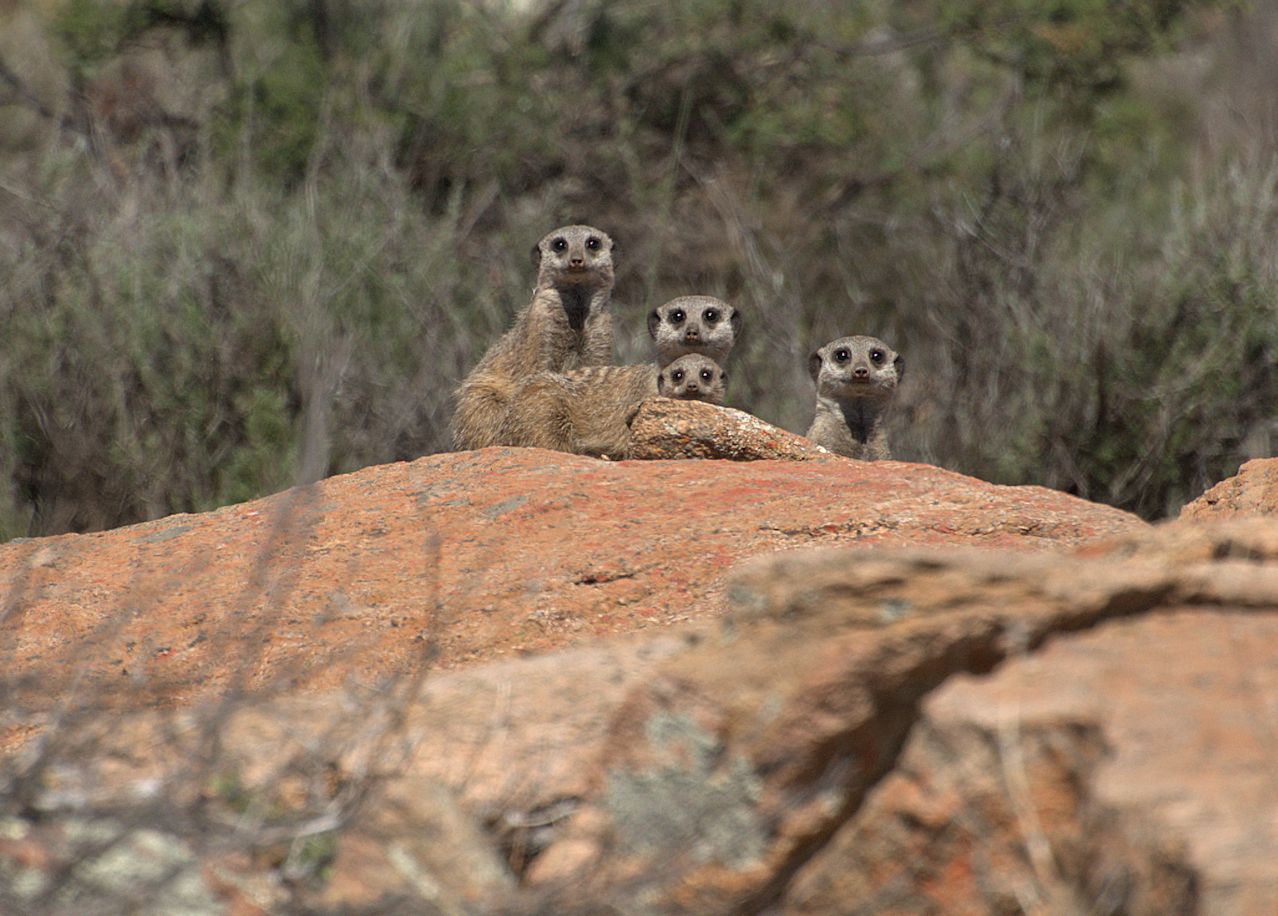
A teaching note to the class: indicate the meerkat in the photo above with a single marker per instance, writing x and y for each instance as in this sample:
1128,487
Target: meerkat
855,378
588,411
693,378
566,325
694,324
584,411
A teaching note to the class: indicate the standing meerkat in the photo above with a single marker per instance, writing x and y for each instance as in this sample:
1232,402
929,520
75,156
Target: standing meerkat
693,378
566,325
694,324
855,378
588,411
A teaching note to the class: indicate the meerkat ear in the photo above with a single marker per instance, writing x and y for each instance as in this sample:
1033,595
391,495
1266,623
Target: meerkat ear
536,255
661,383
899,365
612,248
736,321
723,376
814,364
654,321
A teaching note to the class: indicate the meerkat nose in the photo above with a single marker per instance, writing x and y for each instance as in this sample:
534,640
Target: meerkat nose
861,372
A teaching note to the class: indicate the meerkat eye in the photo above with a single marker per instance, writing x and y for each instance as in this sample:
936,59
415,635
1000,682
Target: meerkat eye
593,243
677,316
559,244
710,315
876,356
706,375
677,376
841,355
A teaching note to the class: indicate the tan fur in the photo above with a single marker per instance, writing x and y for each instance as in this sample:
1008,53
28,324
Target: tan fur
693,378
588,411
584,412
856,378
566,325
694,324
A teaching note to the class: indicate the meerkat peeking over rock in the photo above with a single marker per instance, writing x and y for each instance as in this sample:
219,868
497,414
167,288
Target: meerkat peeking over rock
694,324
588,411
855,378
566,325
693,378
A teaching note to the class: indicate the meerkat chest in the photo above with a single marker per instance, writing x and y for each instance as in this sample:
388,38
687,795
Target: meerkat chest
575,301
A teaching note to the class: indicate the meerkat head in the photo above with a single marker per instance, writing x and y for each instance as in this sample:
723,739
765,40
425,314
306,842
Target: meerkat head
856,367
574,256
693,378
694,324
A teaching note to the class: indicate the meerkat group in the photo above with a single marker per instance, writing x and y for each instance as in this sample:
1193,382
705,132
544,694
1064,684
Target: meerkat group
548,382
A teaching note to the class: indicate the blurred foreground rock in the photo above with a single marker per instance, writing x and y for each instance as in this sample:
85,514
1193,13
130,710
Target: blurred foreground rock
902,725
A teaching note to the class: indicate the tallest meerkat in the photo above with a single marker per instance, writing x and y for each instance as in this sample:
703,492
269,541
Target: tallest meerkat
566,325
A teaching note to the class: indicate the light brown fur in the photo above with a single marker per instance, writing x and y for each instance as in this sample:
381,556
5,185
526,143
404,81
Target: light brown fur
584,412
693,378
566,325
694,324
856,378
588,411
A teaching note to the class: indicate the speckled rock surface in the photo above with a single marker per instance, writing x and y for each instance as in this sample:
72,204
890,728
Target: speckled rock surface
1252,491
666,428
1128,768
859,729
457,559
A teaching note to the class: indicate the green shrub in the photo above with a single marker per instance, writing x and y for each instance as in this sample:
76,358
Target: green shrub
286,273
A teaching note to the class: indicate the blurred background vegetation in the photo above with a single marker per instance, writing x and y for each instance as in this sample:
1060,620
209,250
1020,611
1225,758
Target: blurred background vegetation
245,243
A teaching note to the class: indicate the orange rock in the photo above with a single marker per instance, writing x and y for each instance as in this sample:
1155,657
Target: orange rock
1254,491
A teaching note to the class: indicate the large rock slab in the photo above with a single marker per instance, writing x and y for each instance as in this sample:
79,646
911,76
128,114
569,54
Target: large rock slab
455,559
1128,768
860,730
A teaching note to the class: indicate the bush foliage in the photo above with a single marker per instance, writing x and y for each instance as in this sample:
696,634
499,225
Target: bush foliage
246,244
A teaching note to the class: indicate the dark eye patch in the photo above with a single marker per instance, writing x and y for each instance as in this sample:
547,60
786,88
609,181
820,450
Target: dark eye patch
876,356
710,315
677,375
842,355
593,243
559,244
677,316
706,375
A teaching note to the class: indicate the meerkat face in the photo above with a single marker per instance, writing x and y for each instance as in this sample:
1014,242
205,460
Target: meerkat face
693,378
574,256
856,367
694,324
